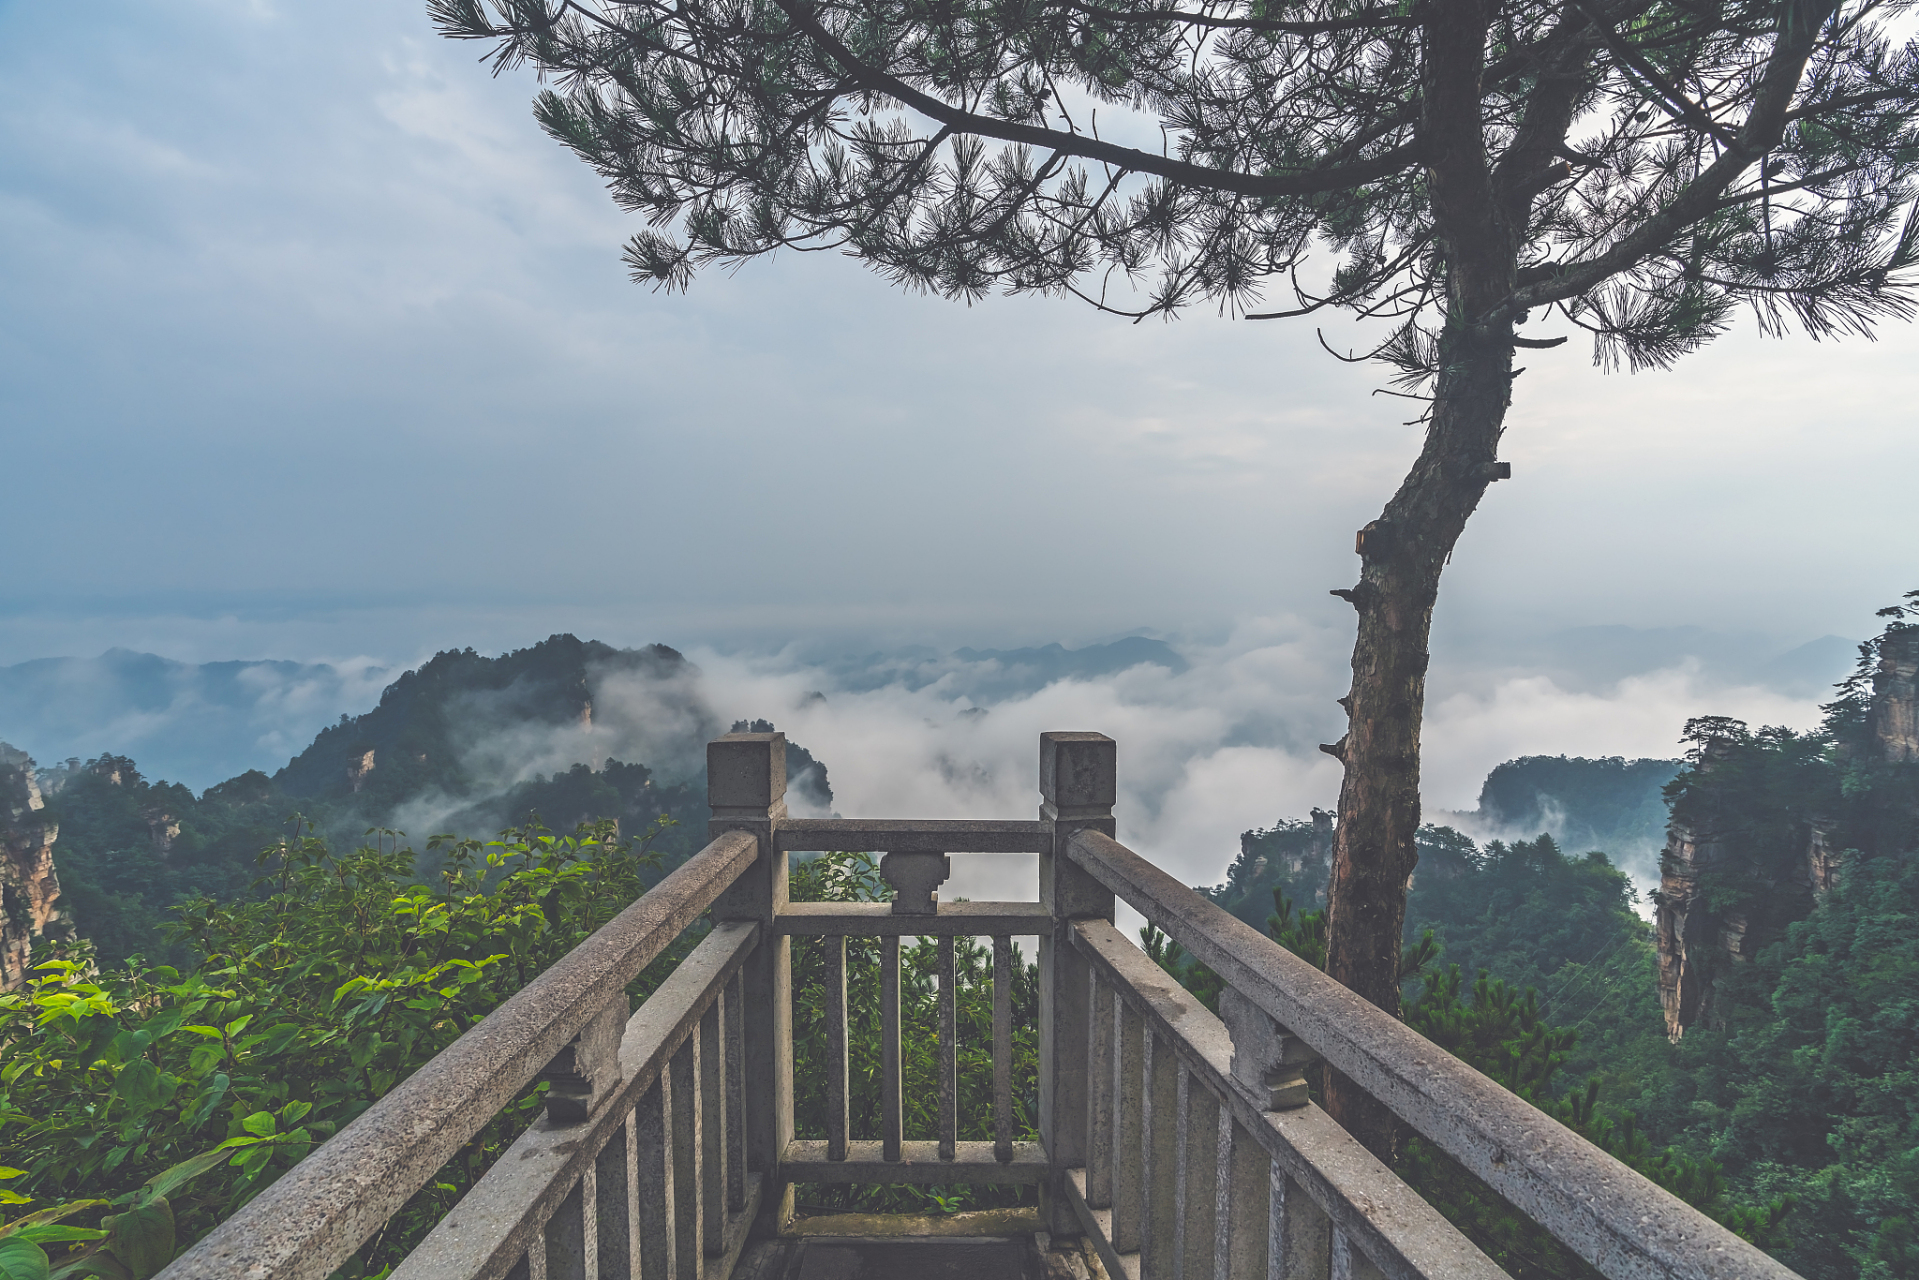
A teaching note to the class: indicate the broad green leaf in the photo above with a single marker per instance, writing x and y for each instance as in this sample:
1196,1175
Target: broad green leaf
277,1039
167,1181
129,1045
59,1233
53,1213
141,1239
22,1260
6,1173
215,1093
166,1024
143,1087
261,1124
101,1265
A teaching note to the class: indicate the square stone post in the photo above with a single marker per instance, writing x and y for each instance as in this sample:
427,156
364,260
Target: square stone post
746,787
1077,785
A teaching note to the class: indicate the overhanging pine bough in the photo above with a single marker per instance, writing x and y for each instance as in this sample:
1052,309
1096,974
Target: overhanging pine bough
1633,167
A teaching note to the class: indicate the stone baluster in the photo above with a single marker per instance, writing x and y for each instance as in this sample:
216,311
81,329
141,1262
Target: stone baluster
1077,783
746,787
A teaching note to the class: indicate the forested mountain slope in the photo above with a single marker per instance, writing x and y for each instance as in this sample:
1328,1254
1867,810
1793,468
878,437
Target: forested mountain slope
564,732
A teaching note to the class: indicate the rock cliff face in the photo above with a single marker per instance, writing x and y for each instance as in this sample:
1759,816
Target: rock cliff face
1695,939
28,886
1784,867
1685,981
1894,718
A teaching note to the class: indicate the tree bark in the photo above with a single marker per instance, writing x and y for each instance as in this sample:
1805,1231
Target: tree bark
1404,551
1402,554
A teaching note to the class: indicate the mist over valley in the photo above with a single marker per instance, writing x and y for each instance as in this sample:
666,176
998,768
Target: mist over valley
1217,737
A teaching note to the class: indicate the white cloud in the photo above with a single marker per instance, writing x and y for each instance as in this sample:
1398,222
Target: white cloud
1641,716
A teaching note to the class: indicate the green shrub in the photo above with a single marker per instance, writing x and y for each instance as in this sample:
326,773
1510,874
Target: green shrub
305,1008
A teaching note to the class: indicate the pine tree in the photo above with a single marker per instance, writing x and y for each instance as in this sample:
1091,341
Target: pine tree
1633,168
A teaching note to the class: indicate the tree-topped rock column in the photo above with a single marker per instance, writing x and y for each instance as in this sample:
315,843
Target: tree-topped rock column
28,885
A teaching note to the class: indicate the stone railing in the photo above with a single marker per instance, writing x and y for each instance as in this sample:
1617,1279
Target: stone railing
1178,1144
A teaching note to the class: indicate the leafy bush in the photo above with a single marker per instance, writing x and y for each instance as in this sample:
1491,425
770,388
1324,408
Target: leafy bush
306,1007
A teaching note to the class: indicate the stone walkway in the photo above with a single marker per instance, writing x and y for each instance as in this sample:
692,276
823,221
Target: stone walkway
924,1258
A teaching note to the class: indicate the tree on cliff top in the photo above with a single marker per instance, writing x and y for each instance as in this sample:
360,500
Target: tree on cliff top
1633,168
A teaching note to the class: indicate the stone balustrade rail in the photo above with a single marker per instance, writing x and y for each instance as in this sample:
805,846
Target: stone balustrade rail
1181,1144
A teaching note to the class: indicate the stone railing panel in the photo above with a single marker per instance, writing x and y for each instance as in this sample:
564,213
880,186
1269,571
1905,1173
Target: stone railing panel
1617,1219
324,1208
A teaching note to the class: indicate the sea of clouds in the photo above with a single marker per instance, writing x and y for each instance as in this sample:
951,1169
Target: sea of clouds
1216,736
1227,745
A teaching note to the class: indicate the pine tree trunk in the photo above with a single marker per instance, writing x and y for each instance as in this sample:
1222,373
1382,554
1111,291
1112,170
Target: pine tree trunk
1402,554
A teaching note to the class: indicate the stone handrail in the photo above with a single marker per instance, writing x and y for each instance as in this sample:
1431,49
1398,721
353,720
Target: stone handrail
1612,1216
1220,1177
652,1180
323,1209
1179,1142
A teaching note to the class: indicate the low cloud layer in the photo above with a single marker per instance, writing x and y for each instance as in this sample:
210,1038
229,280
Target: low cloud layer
1229,745
1215,738
193,723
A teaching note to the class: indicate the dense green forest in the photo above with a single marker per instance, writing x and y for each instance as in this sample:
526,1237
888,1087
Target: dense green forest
142,1103
1798,879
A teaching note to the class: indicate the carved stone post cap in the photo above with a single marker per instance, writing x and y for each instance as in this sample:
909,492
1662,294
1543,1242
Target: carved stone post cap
582,1075
746,771
1077,771
1267,1059
914,877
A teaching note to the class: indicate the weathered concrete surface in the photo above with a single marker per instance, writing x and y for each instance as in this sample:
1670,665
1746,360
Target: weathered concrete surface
1078,783
28,886
1614,1217
979,1222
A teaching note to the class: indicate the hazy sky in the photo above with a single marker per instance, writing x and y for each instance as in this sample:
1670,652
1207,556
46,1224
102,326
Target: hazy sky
313,346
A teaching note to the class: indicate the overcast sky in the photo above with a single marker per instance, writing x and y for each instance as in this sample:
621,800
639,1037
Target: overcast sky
313,346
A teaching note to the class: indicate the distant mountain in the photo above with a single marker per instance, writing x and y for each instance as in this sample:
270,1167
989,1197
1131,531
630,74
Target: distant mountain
1611,804
194,723
198,723
1608,803
1056,662
464,722
1811,670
